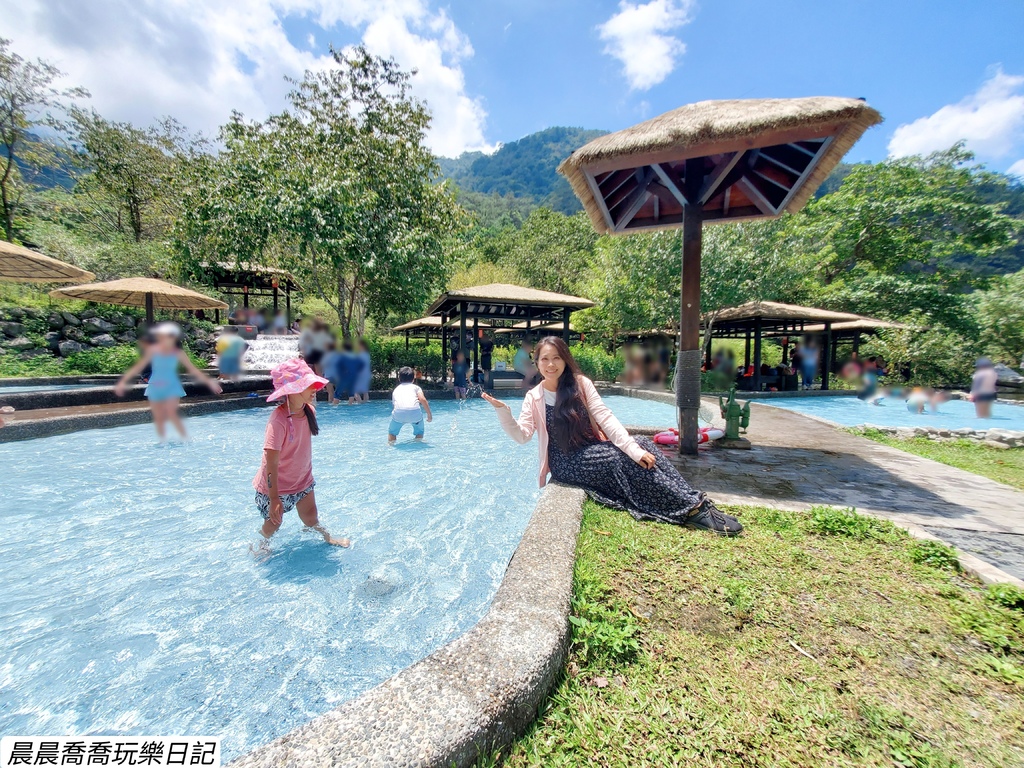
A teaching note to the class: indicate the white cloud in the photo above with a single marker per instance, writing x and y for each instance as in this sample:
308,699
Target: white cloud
990,120
1017,169
198,60
638,36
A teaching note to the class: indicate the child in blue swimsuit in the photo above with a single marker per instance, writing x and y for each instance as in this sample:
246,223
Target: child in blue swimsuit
164,390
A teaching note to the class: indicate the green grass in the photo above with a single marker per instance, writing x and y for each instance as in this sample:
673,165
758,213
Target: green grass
1004,466
821,639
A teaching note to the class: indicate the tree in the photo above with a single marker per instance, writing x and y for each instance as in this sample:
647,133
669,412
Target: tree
552,251
337,189
132,173
28,101
1001,316
916,216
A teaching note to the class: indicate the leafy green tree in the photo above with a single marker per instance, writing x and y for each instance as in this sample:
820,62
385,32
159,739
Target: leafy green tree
553,251
337,188
29,103
130,174
910,215
1001,315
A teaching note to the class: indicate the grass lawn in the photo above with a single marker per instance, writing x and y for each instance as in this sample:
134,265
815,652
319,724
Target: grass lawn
820,639
1004,466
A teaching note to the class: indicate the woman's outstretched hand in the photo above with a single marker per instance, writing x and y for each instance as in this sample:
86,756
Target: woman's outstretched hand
493,400
648,461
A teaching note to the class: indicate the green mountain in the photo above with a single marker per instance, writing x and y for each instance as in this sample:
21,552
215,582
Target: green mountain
520,175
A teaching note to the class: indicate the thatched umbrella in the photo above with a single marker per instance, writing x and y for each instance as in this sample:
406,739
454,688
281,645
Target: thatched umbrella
140,292
20,265
708,162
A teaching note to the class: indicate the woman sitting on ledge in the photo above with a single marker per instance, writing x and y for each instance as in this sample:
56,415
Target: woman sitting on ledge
584,445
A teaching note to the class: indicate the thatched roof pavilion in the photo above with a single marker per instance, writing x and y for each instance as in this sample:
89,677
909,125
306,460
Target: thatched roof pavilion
711,161
245,279
21,265
505,304
429,327
140,292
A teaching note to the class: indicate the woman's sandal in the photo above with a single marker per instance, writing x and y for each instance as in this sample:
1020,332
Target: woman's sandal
708,517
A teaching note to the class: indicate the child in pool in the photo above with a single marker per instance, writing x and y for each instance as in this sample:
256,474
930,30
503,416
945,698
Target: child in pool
164,390
407,400
285,477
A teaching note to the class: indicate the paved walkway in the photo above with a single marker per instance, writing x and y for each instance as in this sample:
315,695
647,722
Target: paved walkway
798,462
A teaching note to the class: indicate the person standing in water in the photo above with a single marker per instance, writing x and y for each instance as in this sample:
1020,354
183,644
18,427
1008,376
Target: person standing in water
285,477
983,387
582,444
164,390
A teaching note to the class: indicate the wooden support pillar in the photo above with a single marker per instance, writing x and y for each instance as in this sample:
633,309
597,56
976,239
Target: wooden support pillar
462,327
688,362
826,355
444,347
856,344
216,316
275,300
288,305
746,353
757,354
565,325
149,309
407,339
476,346
245,297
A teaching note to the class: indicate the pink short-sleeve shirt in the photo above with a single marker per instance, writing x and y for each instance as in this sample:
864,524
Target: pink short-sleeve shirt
294,441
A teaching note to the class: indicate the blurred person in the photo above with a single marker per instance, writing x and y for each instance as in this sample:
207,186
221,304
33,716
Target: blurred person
230,351
164,390
408,406
285,477
936,399
983,387
868,391
346,367
6,409
522,363
296,326
364,376
486,353
280,324
460,376
917,400
808,363
582,444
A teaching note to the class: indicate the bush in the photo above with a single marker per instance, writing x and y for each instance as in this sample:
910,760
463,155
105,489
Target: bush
936,555
597,364
109,360
388,354
1006,595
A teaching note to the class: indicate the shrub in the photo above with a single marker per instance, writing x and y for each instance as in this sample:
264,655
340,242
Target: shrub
1006,595
109,360
597,364
388,354
935,554
832,521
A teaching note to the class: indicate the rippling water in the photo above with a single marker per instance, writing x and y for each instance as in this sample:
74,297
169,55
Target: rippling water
130,604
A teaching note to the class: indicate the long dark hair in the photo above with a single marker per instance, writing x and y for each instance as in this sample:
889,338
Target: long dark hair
571,428
314,427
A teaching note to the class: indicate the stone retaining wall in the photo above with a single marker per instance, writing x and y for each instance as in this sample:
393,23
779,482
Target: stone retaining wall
474,695
994,438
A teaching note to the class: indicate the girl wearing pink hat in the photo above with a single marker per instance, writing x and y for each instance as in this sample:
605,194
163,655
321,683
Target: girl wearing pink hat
285,478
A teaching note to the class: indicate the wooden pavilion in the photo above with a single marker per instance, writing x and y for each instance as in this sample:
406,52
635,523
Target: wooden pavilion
519,330
245,280
504,305
712,161
428,328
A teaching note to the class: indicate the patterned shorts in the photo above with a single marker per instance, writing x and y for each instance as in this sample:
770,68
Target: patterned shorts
288,501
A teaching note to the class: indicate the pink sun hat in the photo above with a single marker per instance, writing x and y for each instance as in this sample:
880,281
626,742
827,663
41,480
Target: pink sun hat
292,377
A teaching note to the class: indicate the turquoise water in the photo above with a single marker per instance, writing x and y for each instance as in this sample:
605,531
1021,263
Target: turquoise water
851,412
10,390
131,604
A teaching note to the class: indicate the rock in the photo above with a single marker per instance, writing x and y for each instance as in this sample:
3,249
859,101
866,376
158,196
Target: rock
33,313
904,433
15,313
943,433
56,321
20,344
2,351
920,431
69,348
127,337
74,333
995,444
34,352
122,320
70,319
89,313
97,325
53,339
12,330
201,345
104,340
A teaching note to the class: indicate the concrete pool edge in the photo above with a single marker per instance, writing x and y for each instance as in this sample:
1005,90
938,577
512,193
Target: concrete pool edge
477,693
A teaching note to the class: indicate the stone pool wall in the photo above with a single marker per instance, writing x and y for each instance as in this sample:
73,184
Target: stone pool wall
476,694
994,438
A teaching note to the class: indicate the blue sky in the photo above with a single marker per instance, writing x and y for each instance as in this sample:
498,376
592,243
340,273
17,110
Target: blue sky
496,70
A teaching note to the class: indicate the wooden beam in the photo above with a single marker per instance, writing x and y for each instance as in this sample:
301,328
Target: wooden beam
718,173
807,171
596,192
779,163
671,182
635,201
756,197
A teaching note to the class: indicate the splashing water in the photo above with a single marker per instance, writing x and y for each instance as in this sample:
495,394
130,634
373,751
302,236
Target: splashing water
267,351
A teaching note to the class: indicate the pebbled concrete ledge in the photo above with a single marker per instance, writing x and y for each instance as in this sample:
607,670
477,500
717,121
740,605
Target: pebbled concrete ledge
479,692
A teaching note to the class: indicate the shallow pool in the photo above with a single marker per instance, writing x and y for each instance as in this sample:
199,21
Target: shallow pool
10,390
851,412
131,605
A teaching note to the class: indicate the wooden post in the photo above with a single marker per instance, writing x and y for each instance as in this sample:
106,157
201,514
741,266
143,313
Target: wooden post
688,361
826,355
288,304
275,301
476,346
856,344
149,309
462,328
565,330
757,354
444,347
746,354
216,316
407,338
